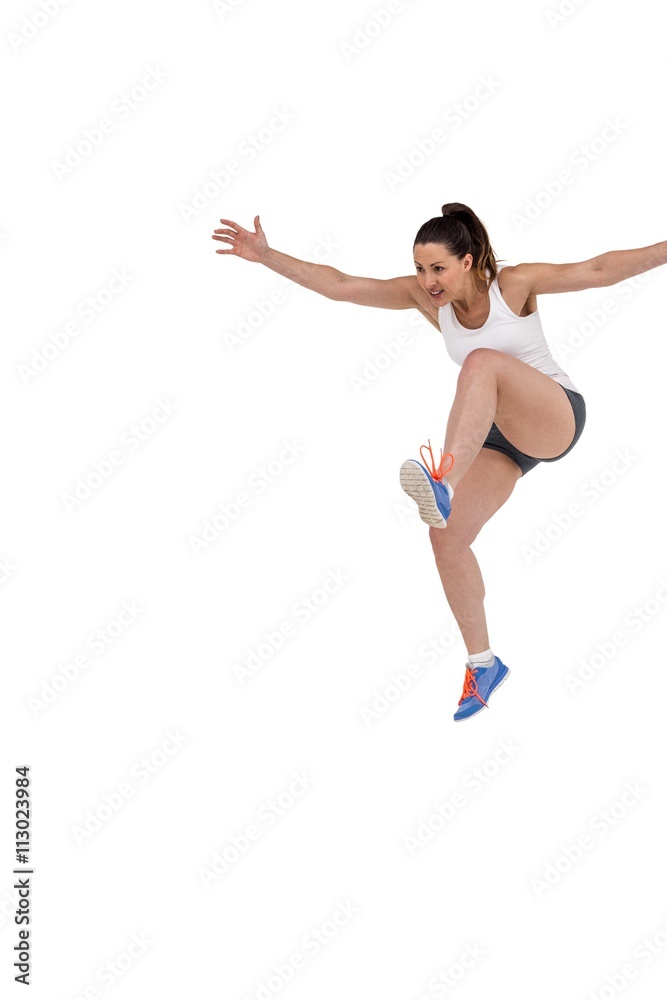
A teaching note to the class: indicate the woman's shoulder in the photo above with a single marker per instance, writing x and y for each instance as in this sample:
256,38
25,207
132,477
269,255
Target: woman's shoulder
512,291
503,268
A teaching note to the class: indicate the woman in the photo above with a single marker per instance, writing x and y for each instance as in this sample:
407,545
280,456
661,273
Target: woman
510,389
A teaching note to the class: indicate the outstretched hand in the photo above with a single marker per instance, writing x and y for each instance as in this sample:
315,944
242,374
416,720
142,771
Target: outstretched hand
250,246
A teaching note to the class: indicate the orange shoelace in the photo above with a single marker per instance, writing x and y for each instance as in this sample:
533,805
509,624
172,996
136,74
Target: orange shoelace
470,686
439,472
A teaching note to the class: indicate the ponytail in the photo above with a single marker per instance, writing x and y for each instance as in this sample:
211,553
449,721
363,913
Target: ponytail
461,232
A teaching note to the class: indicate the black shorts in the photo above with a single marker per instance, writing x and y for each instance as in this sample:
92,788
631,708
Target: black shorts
499,442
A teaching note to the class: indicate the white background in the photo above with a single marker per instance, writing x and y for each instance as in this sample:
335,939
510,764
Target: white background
479,886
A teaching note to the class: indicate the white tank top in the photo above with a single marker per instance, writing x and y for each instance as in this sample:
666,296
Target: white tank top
520,336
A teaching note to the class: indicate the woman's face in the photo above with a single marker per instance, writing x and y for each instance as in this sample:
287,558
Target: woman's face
439,273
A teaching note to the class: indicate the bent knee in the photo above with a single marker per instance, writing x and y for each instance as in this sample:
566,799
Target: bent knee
481,356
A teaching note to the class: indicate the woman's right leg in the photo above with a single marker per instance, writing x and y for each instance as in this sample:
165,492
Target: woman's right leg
484,488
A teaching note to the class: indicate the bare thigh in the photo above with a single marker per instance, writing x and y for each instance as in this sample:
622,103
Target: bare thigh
532,411
484,488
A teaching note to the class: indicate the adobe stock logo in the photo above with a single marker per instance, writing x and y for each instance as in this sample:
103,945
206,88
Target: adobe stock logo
591,491
565,9
472,783
390,351
643,955
141,772
446,979
248,324
116,968
269,813
100,641
600,825
311,944
634,621
7,569
230,510
453,118
34,23
246,152
364,34
222,7
131,440
89,309
581,158
120,110
597,317
302,611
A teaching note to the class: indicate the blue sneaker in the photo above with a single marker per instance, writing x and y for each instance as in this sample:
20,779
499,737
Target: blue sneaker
479,685
427,487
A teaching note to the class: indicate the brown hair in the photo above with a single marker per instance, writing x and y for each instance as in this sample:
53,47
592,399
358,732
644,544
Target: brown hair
460,232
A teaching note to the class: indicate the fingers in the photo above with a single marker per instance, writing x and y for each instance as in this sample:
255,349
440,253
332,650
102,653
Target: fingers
236,235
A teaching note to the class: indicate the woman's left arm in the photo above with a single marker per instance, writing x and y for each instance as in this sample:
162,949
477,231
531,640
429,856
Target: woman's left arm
597,272
617,265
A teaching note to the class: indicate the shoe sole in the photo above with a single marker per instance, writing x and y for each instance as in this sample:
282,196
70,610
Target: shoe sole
498,685
416,484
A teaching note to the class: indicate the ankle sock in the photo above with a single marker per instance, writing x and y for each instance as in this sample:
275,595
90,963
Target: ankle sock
484,659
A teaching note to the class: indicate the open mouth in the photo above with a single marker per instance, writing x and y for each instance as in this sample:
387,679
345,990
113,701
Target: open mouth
434,295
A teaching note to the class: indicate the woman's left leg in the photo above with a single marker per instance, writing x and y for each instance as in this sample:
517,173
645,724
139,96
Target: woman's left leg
527,406
486,487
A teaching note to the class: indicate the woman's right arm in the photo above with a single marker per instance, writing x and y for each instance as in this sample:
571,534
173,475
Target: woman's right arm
391,293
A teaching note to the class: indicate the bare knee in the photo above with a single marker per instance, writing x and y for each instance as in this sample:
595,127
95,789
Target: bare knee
480,356
450,541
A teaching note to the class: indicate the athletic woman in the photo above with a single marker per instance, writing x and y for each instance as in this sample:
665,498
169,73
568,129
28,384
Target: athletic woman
514,406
